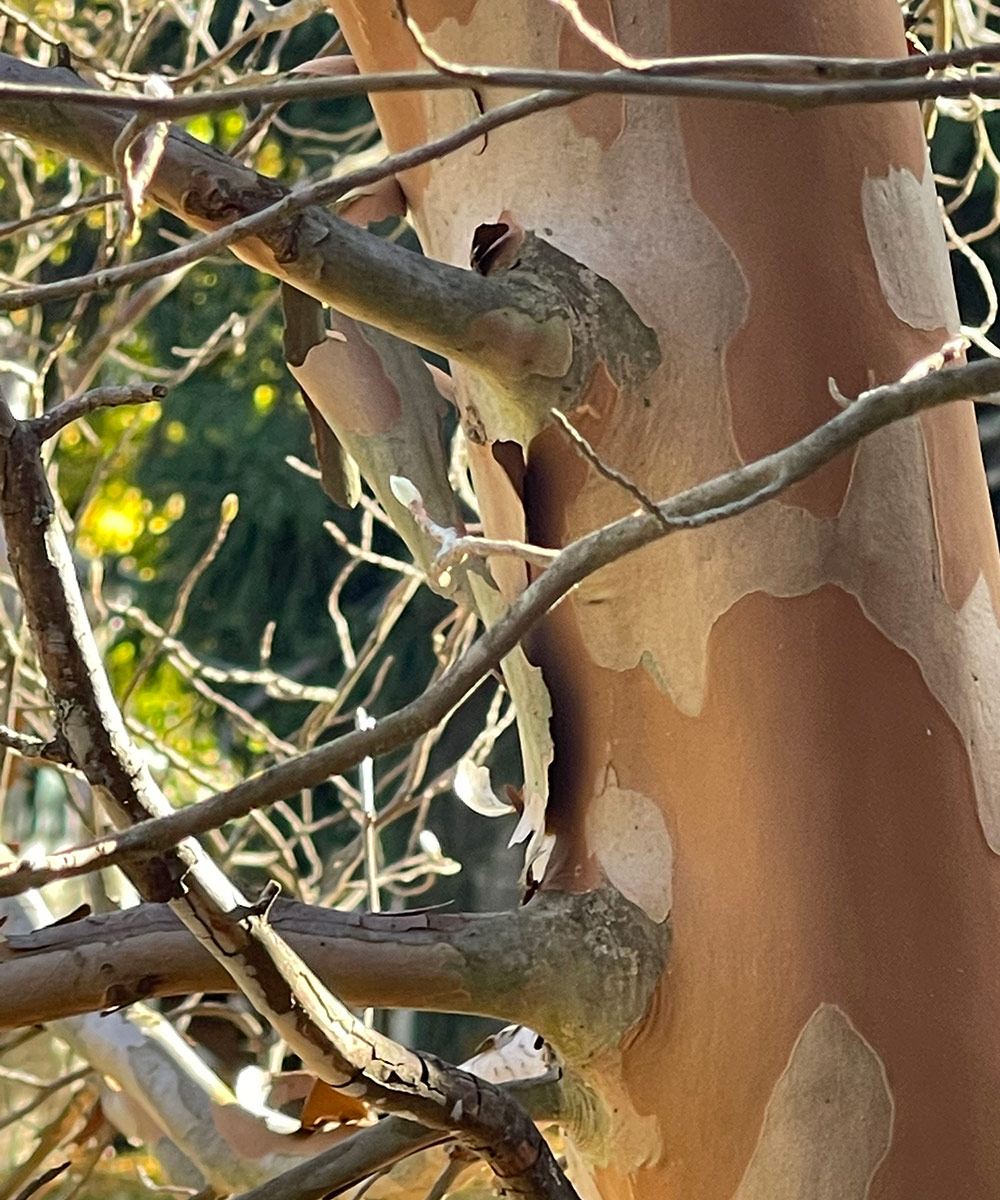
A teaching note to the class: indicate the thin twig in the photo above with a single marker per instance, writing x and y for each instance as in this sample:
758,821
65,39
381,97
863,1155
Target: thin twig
724,496
315,1024
58,212
50,423
228,511
603,468
43,1093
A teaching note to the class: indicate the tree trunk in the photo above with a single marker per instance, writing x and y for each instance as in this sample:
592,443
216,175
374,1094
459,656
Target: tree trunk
780,728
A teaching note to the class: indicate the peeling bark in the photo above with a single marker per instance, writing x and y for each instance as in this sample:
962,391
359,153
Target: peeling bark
368,278
804,693
535,332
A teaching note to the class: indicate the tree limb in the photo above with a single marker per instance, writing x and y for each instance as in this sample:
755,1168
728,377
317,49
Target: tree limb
51,422
724,496
490,964
326,1035
287,234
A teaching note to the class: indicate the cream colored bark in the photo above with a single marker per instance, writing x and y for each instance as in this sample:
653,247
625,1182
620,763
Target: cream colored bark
792,712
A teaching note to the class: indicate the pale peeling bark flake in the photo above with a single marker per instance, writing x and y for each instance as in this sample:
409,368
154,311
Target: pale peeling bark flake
627,832
907,243
828,1124
882,549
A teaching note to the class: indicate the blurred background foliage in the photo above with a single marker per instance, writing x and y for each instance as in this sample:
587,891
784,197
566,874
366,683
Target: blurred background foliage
201,517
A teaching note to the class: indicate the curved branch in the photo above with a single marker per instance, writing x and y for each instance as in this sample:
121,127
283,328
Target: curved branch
724,496
288,234
51,422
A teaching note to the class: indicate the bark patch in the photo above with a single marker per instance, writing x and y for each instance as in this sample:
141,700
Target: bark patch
599,117
904,234
627,832
829,1121
364,399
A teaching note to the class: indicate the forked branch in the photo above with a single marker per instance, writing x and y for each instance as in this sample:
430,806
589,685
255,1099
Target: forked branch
724,496
317,1026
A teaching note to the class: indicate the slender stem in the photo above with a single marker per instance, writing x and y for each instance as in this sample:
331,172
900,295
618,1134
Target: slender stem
724,496
791,81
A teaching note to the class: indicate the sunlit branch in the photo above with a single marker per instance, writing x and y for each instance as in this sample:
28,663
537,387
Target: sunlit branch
792,82
499,964
724,496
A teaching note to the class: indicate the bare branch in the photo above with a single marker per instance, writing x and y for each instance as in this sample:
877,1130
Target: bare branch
189,664
50,423
481,547
227,514
724,496
191,1107
57,213
317,1026
32,747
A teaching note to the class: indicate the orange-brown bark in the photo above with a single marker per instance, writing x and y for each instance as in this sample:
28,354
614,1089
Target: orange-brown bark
794,711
